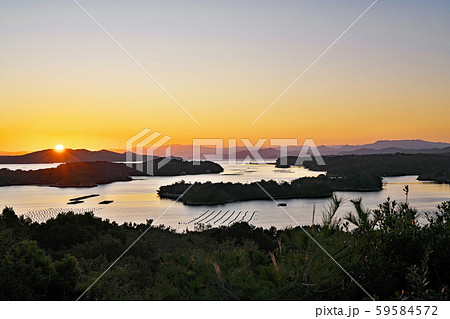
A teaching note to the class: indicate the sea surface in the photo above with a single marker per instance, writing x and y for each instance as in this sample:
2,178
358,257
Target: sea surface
137,201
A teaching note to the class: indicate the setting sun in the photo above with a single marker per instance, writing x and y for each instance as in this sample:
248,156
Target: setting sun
59,148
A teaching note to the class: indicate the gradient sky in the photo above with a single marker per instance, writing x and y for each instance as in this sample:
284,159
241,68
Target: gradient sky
64,81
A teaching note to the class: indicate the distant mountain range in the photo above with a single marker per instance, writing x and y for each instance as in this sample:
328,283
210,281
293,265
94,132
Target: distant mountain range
185,151
387,147
379,147
393,150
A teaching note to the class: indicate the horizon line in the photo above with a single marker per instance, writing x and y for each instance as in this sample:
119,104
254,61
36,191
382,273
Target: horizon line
119,150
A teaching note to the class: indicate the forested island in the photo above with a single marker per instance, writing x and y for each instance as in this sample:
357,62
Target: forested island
175,167
91,174
344,173
429,167
308,187
77,174
388,252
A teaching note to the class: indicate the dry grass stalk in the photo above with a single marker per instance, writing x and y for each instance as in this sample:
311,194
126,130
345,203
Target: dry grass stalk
279,246
313,215
274,261
218,272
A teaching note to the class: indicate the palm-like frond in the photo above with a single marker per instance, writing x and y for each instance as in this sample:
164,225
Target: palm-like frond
328,215
363,218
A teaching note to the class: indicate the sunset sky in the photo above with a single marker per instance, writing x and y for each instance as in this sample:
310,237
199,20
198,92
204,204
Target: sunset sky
64,81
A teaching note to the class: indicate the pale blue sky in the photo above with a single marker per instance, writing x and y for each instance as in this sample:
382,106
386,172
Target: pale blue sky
223,58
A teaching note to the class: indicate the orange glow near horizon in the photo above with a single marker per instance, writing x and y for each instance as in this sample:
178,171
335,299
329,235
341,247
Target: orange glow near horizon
381,81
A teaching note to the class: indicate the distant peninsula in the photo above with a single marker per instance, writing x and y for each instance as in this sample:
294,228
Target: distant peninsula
91,174
429,167
307,187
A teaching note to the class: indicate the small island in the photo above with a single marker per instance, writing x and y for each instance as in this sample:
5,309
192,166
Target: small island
307,187
176,166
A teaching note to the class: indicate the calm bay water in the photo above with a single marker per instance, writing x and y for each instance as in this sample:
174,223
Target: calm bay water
137,201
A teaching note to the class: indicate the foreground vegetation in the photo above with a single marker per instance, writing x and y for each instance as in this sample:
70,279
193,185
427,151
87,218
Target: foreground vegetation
307,187
387,252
